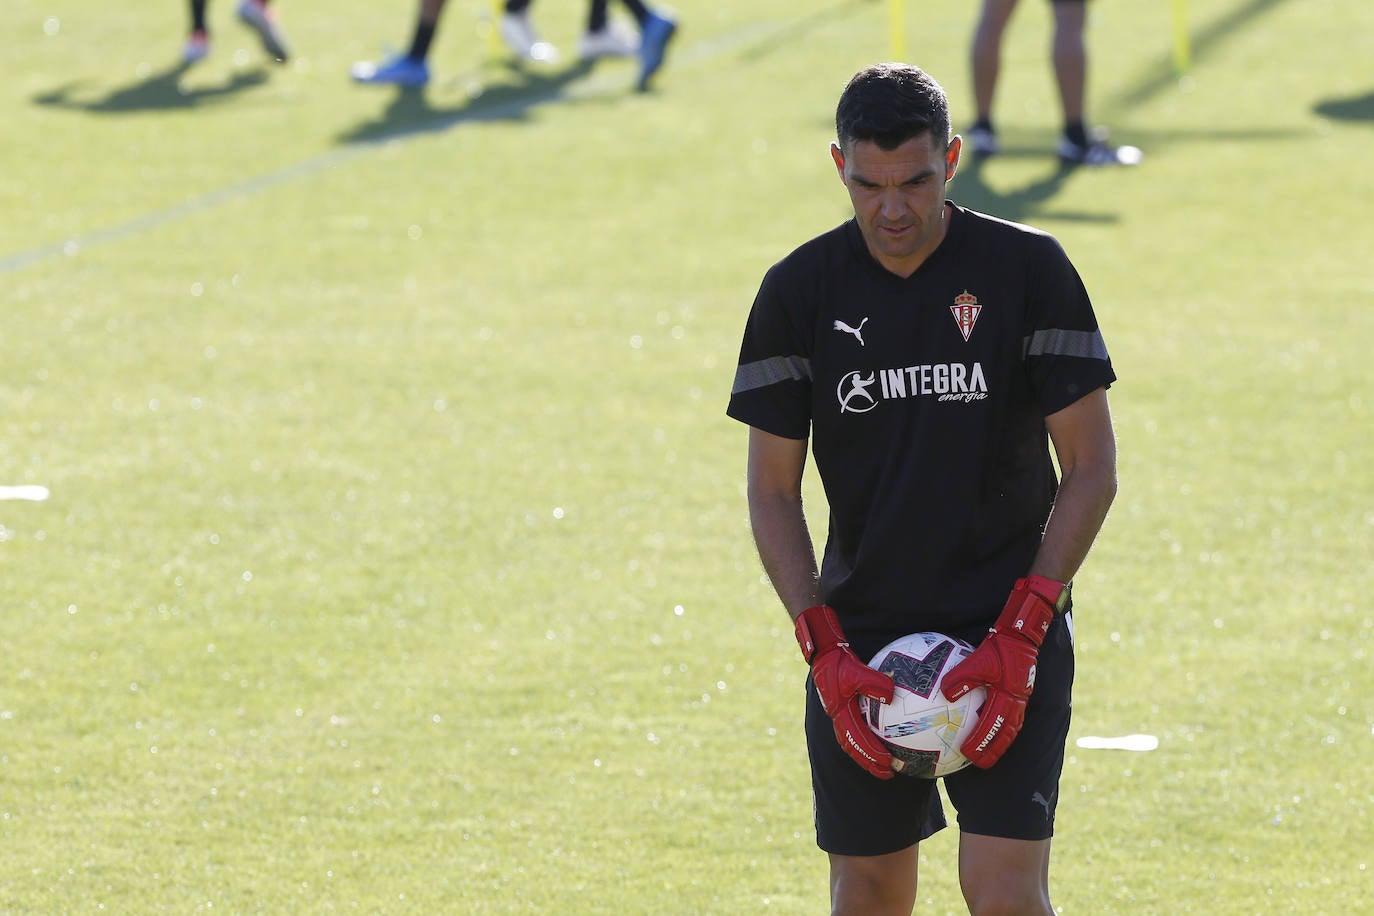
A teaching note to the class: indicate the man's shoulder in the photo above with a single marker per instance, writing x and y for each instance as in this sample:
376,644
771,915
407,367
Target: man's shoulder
819,254
979,219
986,229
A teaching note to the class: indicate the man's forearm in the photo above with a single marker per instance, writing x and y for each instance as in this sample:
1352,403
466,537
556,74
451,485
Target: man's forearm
1080,507
784,545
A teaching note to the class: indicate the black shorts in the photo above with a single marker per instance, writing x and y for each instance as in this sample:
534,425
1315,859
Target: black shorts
860,815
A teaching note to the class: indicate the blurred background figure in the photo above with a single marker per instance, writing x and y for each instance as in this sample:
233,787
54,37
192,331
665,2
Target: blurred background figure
519,35
1078,144
410,69
258,15
602,39
656,29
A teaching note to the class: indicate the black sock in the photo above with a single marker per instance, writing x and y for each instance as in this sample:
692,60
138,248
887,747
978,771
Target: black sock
983,124
424,36
198,15
637,10
596,15
517,6
1075,132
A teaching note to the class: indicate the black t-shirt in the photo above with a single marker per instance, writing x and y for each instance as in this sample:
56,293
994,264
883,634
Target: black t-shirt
925,399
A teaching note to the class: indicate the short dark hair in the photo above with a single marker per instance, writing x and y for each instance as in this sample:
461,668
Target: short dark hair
890,104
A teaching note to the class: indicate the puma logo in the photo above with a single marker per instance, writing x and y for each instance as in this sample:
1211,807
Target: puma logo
857,332
1042,801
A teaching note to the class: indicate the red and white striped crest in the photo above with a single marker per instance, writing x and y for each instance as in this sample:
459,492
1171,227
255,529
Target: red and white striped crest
965,310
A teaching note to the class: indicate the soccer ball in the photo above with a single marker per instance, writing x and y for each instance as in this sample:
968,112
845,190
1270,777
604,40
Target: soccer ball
922,728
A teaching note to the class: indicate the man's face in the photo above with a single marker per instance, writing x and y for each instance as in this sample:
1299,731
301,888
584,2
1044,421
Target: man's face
899,196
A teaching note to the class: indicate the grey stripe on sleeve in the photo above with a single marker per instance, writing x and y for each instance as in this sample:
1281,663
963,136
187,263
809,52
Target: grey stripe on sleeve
764,372
1057,342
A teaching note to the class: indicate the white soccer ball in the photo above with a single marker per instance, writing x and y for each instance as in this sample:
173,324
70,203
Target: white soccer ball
922,728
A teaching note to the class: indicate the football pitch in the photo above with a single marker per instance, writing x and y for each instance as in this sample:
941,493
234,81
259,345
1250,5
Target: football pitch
372,537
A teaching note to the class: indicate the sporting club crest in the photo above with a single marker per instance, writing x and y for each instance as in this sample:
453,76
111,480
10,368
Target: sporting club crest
965,309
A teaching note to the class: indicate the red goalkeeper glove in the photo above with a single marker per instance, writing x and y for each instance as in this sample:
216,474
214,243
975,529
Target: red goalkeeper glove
841,678
1004,663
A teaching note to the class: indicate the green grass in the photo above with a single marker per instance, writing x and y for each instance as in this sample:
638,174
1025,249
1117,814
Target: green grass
396,558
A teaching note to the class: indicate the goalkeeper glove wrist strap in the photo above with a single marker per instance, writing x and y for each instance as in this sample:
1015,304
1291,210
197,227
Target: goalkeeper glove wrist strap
818,628
1052,590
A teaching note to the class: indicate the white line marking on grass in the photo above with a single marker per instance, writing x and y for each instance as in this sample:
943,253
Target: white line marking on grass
30,493
150,221
1123,743
582,89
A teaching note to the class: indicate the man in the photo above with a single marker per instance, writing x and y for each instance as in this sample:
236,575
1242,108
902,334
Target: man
1077,144
258,15
931,354
602,39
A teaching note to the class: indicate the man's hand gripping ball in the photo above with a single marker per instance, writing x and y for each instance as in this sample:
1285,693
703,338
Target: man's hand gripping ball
1004,663
841,678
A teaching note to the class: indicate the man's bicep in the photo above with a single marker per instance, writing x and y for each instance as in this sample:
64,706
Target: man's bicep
1082,432
775,464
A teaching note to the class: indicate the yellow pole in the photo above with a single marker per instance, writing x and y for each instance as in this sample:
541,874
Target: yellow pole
1182,43
896,27
496,9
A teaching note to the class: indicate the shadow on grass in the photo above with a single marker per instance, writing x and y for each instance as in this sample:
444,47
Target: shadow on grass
1029,201
970,189
162,91
784,38
1355,108
1205,41
411,112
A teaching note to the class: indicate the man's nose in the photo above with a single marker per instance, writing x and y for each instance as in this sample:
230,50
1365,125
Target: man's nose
893,204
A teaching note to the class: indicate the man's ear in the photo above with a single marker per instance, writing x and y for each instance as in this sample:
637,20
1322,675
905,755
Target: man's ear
838,155
956,146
